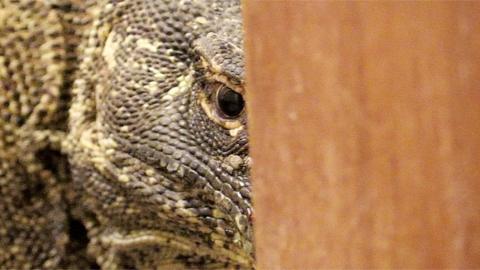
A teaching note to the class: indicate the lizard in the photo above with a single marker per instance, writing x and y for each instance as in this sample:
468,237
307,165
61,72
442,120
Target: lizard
123,135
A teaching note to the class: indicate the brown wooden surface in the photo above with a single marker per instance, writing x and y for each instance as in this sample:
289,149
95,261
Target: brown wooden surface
365,133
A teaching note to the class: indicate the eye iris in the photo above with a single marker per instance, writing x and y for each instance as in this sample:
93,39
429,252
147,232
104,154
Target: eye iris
230,102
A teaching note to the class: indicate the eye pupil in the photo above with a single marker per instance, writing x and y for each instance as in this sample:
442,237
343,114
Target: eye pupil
230,102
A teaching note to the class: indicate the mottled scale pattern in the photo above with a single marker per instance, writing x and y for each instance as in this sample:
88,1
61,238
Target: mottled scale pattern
114,152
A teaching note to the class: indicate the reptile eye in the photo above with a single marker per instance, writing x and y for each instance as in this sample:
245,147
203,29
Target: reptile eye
229,102
223,105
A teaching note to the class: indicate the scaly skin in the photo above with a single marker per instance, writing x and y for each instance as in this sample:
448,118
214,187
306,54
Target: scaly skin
147,169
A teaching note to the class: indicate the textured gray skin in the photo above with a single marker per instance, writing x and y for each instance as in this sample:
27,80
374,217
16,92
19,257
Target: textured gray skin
156,174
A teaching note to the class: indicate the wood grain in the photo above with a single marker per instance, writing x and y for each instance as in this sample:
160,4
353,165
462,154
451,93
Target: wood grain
365,133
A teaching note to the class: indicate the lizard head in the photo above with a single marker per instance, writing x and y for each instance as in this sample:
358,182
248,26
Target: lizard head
159,144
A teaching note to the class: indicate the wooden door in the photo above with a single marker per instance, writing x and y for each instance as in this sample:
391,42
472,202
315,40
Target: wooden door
365,133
